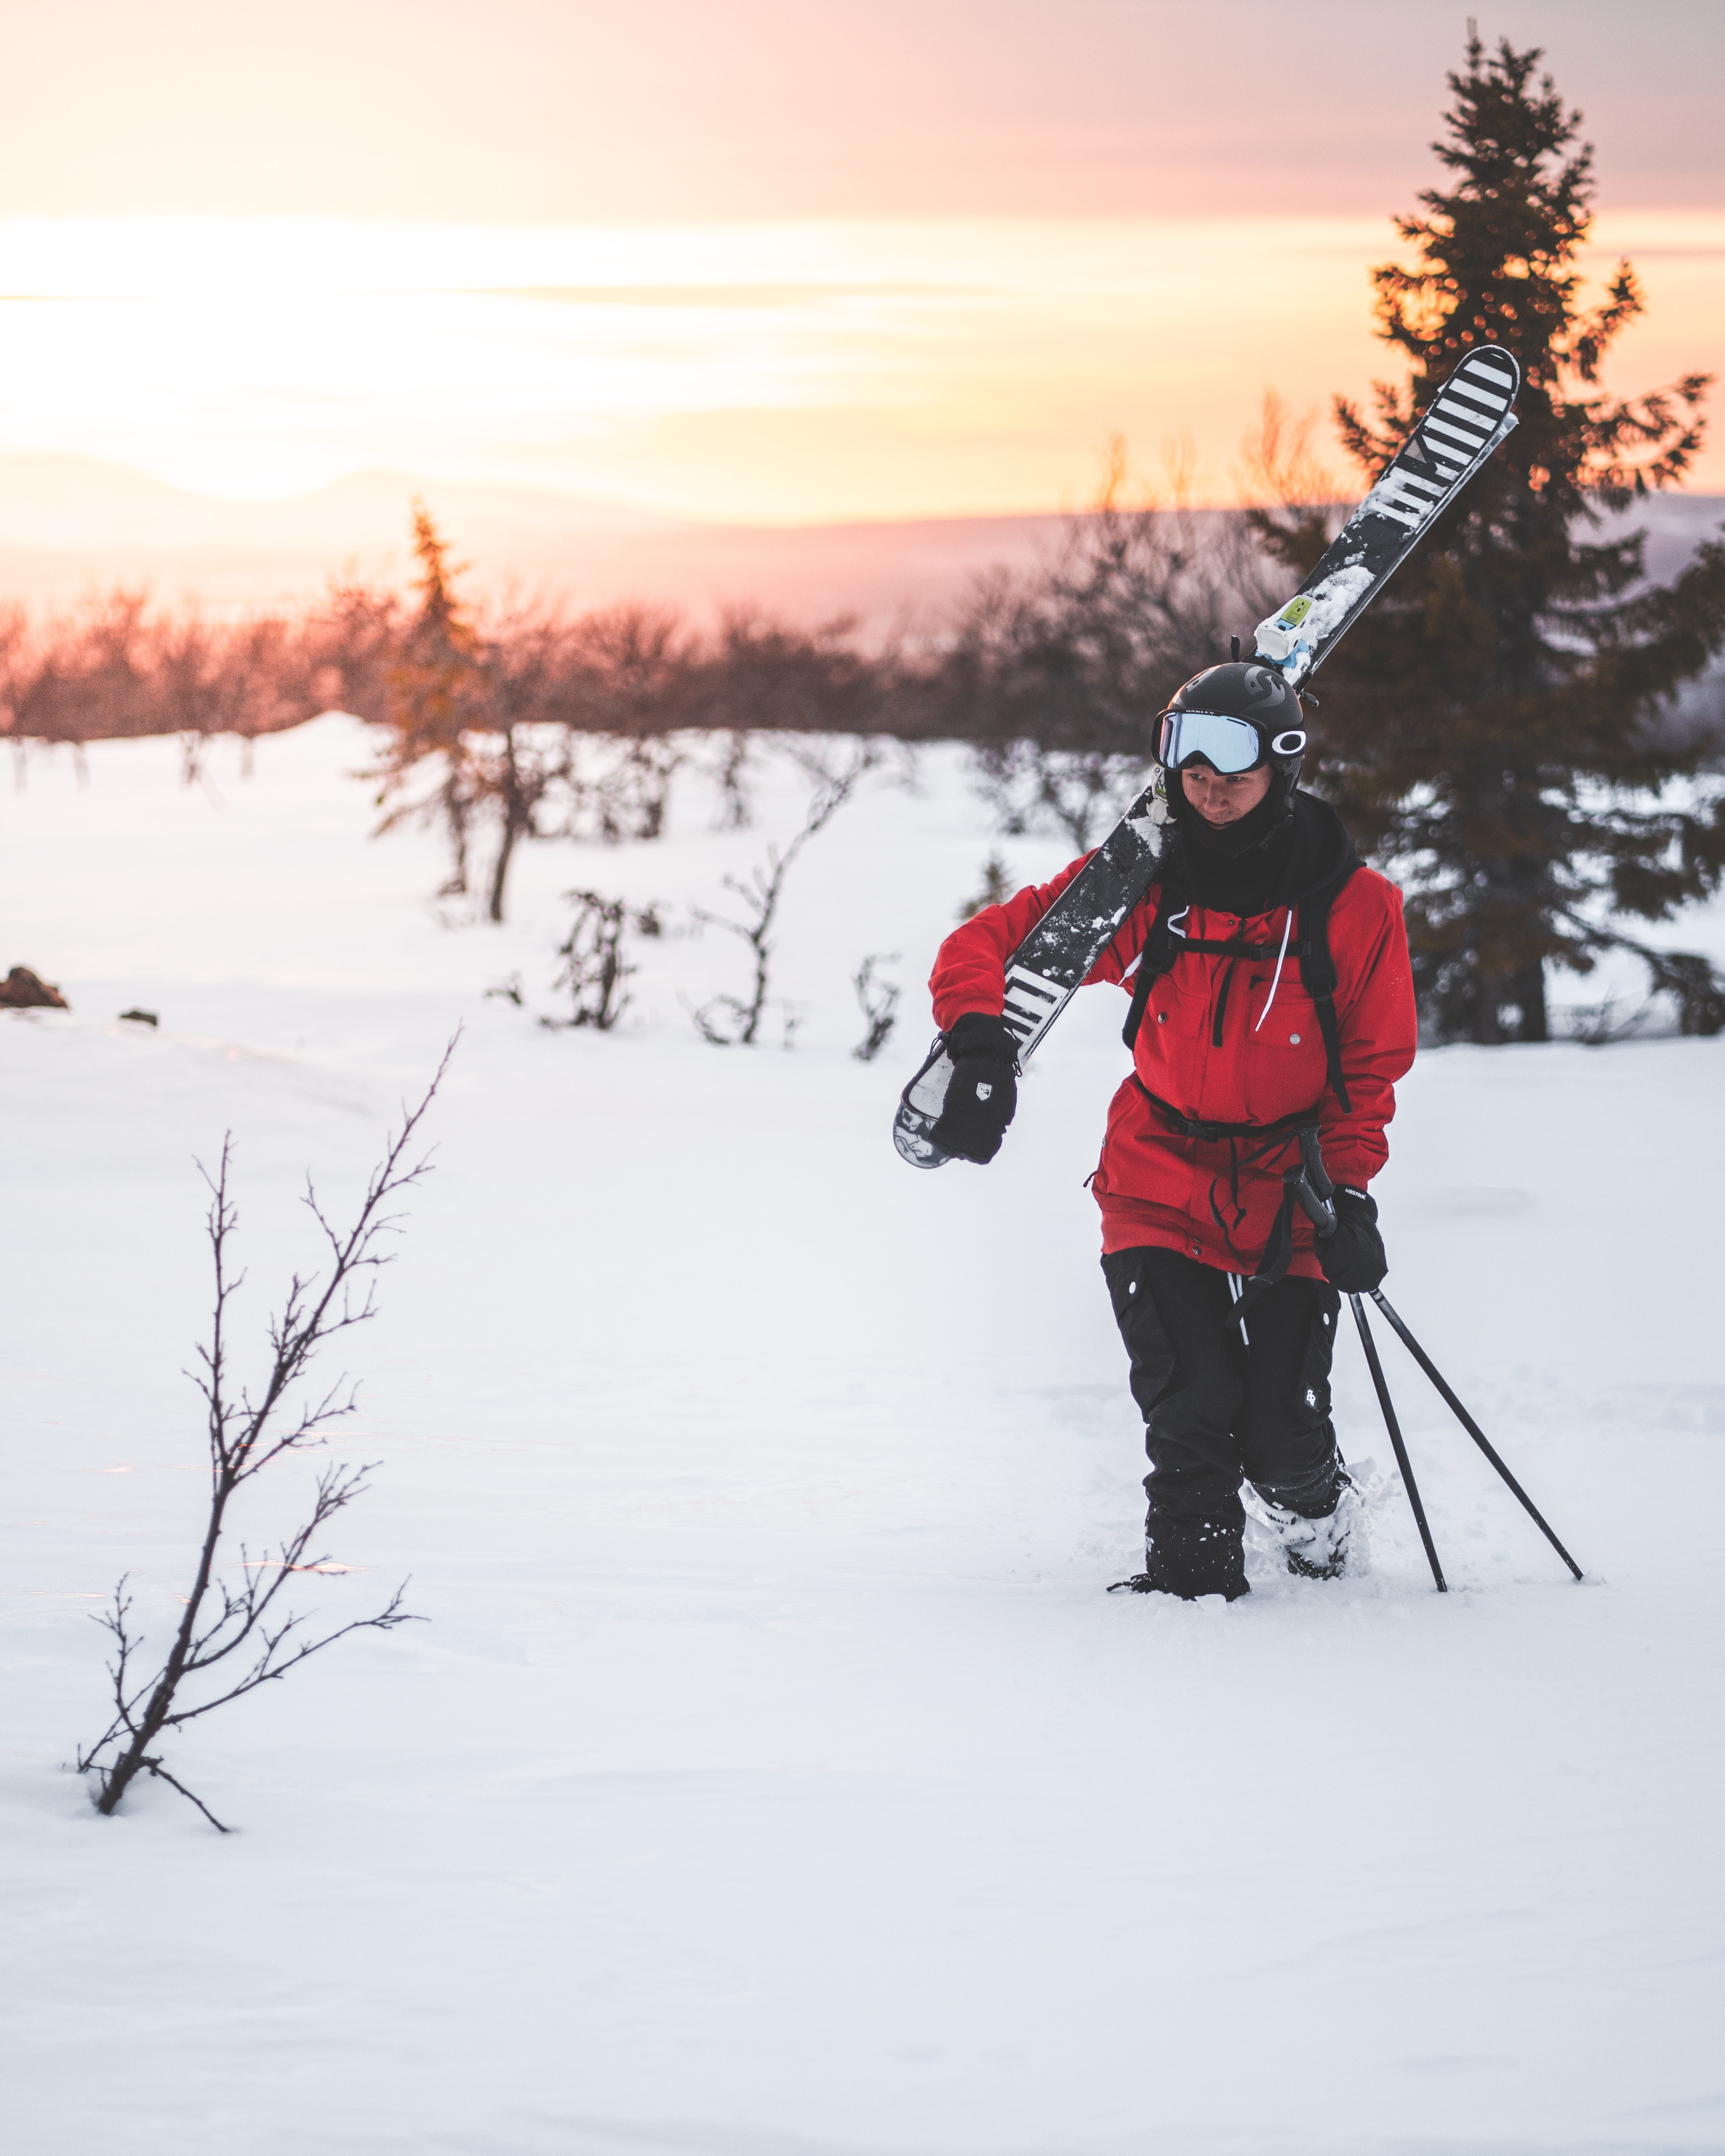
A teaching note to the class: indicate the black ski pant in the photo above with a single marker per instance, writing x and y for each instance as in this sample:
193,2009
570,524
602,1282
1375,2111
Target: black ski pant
1217,1410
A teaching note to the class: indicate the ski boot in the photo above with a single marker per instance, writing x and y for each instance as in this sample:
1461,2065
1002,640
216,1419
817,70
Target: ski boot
1320,1548
1189,1558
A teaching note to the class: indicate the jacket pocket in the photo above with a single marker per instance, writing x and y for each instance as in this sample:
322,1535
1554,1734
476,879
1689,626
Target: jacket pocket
1168,1053
1283,1051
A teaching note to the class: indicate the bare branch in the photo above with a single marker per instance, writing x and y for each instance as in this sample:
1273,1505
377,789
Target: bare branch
266,1669
155,1768
245,1435
728,1021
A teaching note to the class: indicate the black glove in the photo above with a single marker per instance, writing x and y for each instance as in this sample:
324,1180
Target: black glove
1353,1258
982,1096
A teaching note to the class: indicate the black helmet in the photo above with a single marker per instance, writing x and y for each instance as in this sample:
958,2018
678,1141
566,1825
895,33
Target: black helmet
1235,717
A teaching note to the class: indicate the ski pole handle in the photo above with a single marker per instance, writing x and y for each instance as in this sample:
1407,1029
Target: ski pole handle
1311,1183
1312,1153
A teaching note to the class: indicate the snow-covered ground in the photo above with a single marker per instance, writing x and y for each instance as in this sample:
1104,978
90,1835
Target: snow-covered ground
774,1778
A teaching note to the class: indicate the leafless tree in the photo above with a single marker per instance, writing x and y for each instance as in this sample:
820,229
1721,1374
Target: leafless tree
352,636
517,755
732,750
239,1639
629,702
1282,474
1056,677
732,1021
878,1000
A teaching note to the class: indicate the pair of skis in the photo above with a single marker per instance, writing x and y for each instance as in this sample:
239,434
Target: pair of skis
1468,418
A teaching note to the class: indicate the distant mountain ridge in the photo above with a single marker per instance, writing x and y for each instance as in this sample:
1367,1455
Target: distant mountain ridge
83,502
72,524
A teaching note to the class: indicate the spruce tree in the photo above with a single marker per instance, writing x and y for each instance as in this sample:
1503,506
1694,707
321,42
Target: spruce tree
1498,728
434,684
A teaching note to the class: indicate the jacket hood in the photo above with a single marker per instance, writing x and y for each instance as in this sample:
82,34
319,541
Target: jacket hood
1322,854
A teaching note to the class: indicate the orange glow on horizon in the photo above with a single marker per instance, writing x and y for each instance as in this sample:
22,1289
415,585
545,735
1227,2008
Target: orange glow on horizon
793,372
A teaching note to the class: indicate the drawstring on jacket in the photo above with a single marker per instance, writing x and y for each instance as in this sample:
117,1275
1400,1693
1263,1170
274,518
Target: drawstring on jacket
1276,978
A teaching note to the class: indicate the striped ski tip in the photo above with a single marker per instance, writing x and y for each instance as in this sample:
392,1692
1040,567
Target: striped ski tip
1464,422
1491,364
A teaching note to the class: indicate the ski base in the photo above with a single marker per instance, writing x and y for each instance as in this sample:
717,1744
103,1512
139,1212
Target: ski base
919,1110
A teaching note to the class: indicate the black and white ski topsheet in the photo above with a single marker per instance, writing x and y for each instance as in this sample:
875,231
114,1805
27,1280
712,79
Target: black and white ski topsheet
1469,416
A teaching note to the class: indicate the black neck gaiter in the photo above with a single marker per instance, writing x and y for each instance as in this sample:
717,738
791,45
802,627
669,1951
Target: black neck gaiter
1237,868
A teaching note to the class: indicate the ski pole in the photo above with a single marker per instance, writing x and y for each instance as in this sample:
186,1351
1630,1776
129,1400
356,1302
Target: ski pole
1402,1459
1311,1184
1469,1425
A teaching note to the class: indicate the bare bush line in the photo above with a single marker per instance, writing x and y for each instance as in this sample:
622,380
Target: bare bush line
122,666
522,721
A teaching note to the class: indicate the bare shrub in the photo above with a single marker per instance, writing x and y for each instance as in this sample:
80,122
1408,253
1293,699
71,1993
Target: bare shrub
1688,979
878,1001
245,1434
735,1021
620,785
1603,1024
594,971
1280,470
996,889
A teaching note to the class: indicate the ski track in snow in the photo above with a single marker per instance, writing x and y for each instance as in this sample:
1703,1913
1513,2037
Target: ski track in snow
774,1778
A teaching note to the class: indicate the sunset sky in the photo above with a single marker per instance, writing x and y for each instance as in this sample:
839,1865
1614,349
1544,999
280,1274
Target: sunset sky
782,261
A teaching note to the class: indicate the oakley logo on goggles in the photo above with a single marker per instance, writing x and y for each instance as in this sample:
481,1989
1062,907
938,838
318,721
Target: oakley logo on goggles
1227,745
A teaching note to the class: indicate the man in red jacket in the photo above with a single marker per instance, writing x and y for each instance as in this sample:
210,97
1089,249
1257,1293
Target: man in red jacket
1270,995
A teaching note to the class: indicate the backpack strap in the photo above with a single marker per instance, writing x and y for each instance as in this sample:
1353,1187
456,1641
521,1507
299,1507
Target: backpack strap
1318,968
1317,976
1161,948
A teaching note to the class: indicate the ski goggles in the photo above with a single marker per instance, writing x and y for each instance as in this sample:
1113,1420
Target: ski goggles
1227,745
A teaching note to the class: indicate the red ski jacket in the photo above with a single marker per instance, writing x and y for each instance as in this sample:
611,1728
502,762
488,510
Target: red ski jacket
1219,1049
